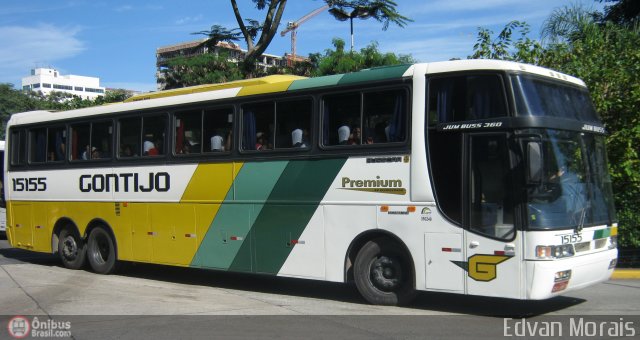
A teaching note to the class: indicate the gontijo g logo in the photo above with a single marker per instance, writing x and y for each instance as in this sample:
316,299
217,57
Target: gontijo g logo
482,267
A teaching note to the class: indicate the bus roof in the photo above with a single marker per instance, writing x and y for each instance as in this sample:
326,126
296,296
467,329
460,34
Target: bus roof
273,79
282,83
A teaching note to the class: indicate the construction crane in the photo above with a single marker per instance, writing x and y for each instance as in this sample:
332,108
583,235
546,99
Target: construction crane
292,26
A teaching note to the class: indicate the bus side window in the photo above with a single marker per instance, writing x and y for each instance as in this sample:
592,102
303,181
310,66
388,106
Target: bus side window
38,145
384,117
258,126
80,143
101,140
130,137
18,144
365,118
465,97
293,123
153,135
56,144
217,130
188,134
341,119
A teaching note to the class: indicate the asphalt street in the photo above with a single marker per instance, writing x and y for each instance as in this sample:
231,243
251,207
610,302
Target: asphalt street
152,301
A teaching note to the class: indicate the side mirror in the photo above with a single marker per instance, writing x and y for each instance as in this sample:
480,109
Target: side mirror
534,163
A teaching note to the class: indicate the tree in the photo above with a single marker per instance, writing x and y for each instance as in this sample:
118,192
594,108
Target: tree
217,34
622,12
12,101
197,70
338,61
608,60
605,55
382,10
258,35
503,47
568,24
267,30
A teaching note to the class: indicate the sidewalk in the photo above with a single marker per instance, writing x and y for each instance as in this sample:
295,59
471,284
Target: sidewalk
626,273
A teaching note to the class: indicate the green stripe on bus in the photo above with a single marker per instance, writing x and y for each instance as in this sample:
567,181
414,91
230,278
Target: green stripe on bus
289,209
315,82
230,227
378,73
602,233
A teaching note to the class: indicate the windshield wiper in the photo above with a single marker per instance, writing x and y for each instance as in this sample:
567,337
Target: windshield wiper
583,215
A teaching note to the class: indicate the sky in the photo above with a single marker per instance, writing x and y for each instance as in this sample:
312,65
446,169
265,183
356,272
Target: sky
116,40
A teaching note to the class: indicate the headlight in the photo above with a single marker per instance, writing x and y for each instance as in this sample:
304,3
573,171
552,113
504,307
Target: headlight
548,252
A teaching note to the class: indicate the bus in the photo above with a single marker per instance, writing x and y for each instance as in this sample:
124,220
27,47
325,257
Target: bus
3,212
476,177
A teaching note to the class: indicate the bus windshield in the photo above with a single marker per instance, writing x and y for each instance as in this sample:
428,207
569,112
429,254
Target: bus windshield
542,97
576,188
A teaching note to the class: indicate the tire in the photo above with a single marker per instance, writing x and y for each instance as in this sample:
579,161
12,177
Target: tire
101,251
71,248
382,273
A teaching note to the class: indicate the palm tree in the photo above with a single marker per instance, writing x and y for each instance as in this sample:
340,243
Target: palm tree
217,34
382,10
568,23
258,35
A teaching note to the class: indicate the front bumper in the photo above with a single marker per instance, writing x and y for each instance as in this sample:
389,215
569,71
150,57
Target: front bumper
586,270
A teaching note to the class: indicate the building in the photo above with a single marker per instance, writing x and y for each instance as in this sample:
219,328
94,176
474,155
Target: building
196,47
47,80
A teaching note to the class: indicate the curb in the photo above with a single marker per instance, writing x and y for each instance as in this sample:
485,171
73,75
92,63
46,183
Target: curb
625,274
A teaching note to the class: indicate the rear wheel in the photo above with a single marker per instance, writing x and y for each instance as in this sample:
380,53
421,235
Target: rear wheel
71,248
101,251
383,274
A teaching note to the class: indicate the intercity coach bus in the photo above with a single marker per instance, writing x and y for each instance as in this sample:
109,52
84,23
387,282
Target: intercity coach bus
474,177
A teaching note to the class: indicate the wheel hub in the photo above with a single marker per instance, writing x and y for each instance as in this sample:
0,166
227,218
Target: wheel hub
386,273
70,248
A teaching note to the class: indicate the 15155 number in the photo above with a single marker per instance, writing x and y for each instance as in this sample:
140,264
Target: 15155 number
30,184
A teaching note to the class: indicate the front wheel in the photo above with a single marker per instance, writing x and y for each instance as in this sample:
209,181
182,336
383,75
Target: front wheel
383,274
101,251
71,248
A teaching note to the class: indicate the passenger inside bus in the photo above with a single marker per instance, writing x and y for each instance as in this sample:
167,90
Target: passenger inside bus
149,148
261,141
343,135
296,139
95,154
216,143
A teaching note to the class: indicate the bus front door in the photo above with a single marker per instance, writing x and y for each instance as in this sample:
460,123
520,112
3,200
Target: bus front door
493,247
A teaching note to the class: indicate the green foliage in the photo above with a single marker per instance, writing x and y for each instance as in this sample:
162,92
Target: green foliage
608,60
217,34
503,47
606,56
622,12
199,69
383,11
14,101
258,35
339,61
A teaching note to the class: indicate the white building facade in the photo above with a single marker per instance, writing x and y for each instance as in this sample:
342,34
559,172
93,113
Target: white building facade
47,80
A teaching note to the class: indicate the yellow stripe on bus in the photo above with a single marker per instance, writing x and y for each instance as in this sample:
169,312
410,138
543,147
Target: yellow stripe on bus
211,182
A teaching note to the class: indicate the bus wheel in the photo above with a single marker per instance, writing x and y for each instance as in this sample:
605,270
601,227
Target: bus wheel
101,251
71,249
382,273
